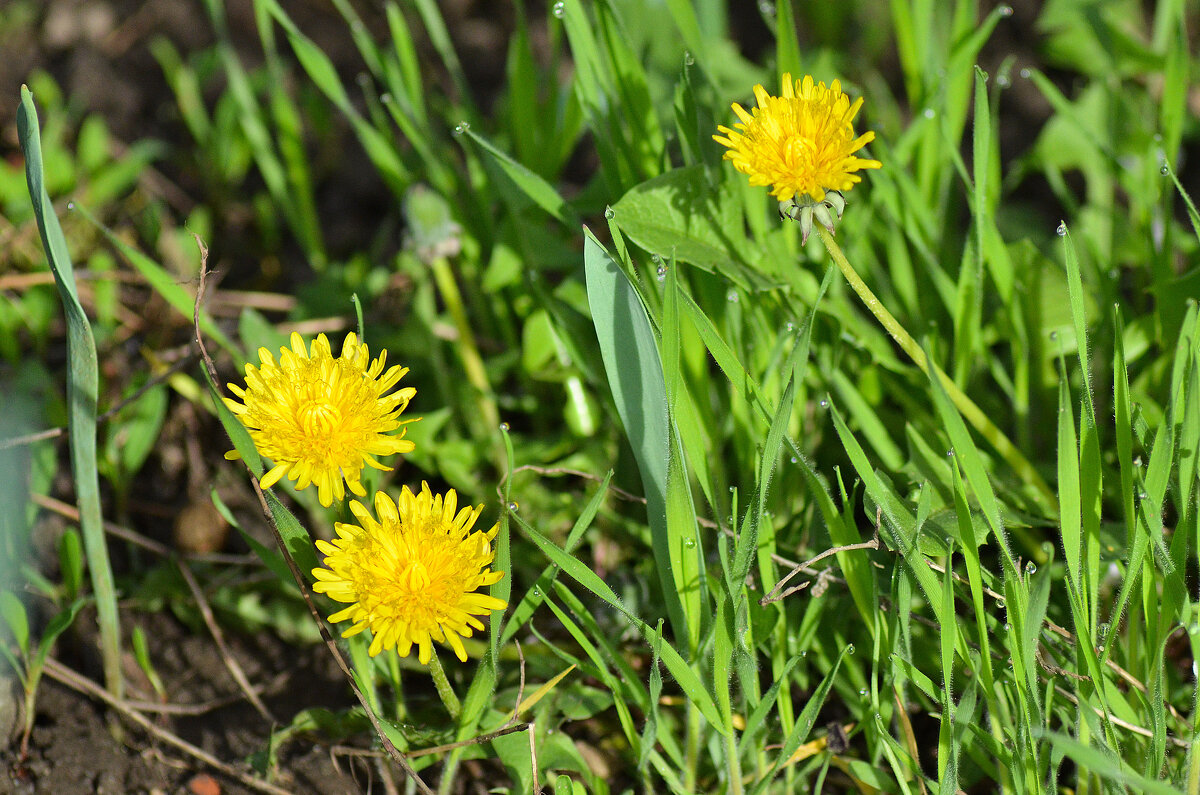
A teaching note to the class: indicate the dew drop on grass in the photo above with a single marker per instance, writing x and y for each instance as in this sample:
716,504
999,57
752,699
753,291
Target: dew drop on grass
1025,73
461,127
690,543
1007,627
536,592
386,99
950,453
731,296
1006,11
850,649
514,506
504,426
1030,567
689,59
929,113
1003,80
1062,229
795,460
559,9
662,272
804,652
70,205
1165,170
862,691
789,327
823,403
610,213
1053,335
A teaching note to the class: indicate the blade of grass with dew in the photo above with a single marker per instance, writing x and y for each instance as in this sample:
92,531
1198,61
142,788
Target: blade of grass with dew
635,377
82,387
899,523
1070,521
1090,477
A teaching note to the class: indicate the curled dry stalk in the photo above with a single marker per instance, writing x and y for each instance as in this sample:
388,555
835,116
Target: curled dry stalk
330,643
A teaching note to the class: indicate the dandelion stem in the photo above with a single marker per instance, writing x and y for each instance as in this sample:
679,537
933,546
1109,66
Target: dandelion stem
445,692
966,407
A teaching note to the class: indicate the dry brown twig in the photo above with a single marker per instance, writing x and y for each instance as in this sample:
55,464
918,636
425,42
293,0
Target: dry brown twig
231,664
81,684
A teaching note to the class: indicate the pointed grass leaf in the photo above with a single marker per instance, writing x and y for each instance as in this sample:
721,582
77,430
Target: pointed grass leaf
12,610
803,725
635,376
535,188
679,668
82,387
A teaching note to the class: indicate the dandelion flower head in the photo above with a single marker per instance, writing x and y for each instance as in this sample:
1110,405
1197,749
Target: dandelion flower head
321,419
411,576
799,143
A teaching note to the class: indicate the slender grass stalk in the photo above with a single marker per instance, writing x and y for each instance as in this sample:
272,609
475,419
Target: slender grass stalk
82,388
970,412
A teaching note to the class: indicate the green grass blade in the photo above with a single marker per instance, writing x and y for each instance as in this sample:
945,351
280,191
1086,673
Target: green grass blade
1107,766
538,190
82,387
635,376
803,725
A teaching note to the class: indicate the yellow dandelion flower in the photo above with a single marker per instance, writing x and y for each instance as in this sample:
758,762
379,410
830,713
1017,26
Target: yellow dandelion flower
411,576
321,419
800,143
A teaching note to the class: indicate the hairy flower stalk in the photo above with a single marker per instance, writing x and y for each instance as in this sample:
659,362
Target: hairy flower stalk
321,418
411,575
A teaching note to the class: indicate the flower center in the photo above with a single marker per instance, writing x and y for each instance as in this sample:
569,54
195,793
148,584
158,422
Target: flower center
416,575
318,417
